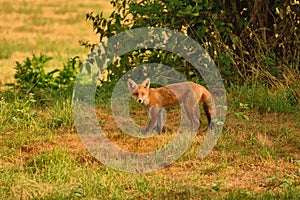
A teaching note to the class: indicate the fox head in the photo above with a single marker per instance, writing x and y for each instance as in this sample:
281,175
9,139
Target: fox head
140,93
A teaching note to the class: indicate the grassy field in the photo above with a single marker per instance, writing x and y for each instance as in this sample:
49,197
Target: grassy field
51,27
42,157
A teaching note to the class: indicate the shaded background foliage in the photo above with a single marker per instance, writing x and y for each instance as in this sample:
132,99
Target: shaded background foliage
251,41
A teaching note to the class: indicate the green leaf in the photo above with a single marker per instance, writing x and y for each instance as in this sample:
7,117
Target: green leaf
245,117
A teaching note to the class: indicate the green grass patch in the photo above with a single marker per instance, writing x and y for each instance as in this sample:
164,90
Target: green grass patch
66,8
40,21
27,8
263,99
6,48
7,7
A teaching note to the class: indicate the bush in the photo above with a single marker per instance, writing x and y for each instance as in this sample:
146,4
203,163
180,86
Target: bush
31,76
249,40
31,73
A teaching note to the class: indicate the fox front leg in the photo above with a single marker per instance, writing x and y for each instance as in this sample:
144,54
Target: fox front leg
161,120
154,116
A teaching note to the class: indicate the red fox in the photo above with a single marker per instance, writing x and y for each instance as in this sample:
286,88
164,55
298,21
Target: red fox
186,94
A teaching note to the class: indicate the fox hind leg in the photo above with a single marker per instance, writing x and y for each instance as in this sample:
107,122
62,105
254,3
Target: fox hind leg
192,112
197,117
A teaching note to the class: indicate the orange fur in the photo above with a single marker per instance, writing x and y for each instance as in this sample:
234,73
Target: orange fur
186,93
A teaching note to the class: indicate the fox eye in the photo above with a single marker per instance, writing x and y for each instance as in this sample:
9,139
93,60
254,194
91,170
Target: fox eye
135,94
143,93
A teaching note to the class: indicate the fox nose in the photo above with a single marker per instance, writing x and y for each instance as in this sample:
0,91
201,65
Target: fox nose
140,100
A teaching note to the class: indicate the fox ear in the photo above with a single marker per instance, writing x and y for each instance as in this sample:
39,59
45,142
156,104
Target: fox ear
131,85
146,83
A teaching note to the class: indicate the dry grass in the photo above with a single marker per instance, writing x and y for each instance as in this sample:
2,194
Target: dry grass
248,153
51,27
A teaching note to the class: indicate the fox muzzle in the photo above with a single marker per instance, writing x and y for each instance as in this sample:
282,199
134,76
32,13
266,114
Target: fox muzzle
140,100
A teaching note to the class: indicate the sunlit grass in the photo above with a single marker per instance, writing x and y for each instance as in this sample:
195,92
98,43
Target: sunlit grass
6,49
48,27
43,157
